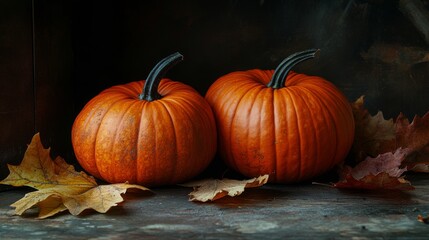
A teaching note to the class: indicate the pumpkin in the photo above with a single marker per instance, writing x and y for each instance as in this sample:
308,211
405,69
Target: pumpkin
165,135
291,126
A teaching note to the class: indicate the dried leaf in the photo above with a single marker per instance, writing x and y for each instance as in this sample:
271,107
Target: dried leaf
37,170
50,206
422,219
100,198
374,182
388,162
415,137
399,144
373,134
59,186
213,189
382,172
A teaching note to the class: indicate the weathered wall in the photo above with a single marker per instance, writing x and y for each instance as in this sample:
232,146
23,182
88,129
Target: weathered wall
56,55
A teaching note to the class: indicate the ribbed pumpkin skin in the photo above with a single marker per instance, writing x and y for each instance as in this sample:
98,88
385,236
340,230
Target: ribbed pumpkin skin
293,133
118,137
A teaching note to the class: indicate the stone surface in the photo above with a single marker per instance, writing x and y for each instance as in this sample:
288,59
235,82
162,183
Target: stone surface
303,211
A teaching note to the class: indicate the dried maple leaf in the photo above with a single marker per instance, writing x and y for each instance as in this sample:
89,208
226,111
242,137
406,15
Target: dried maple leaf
213,189
415,137
59,186
372,182
382,172
372,134
375,135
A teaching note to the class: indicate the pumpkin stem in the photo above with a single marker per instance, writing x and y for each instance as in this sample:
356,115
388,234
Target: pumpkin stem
279,77
150,88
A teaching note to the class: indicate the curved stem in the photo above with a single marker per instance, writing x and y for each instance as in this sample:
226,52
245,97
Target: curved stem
279,77
150,88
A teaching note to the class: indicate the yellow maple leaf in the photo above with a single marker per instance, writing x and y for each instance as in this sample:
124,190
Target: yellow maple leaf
213,189
59,186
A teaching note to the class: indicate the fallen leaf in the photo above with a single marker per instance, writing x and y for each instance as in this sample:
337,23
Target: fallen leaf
415,137
380,143
373,182
213,189
100,198
59,186
388,162
38,170
382,172
373,134
422,219
50,207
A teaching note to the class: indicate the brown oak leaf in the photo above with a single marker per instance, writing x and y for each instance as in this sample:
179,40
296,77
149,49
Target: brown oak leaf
382,172
59,186
213,189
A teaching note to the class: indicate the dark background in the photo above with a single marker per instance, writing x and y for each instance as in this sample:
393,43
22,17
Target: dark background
56,55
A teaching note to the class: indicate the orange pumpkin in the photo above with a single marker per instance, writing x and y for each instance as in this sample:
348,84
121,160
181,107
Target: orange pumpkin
289,125
163,136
